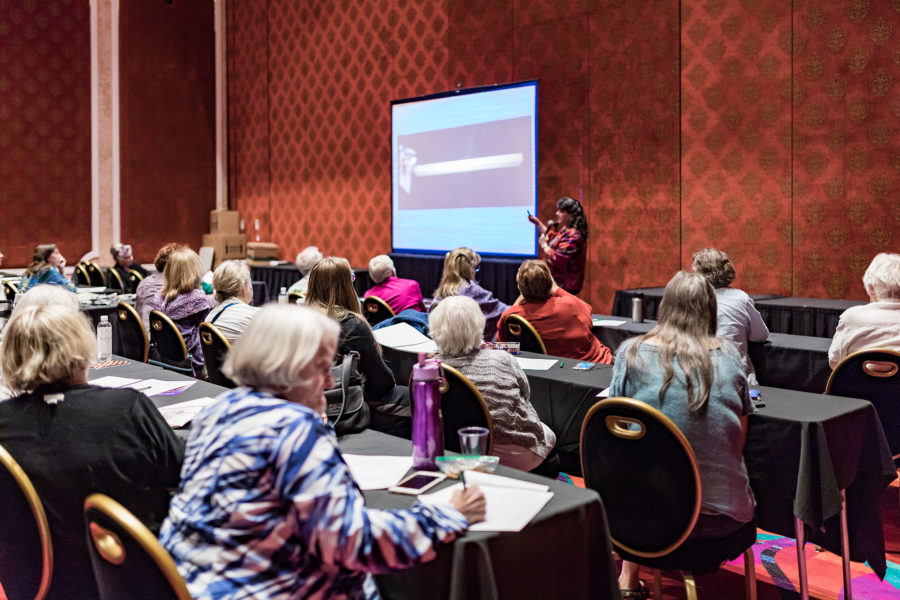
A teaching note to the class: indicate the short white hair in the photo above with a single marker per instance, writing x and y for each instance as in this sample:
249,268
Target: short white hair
457,326
883,276
278,343
45,295
381,267
307,259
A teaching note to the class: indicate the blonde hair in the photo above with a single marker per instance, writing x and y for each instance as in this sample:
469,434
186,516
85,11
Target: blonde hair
230,279
459,264
715,266
380,268
331,289
534,280
44,345
457,326
883,276
279,342
687,319
182,273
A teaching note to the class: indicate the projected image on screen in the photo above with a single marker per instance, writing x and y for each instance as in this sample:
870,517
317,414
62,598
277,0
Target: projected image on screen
464,166
476,165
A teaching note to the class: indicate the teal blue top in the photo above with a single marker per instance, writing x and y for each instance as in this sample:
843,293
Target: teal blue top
714,433
47,275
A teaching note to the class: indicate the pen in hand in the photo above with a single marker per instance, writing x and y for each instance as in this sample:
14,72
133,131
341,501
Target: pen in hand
462,478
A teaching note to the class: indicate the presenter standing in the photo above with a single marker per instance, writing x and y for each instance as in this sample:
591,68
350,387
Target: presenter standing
563,243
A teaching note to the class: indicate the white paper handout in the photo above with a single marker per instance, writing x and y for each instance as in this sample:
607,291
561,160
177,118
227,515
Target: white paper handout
111,381
179,415
377,472
537,364
400,335
153,387
607,322
511,503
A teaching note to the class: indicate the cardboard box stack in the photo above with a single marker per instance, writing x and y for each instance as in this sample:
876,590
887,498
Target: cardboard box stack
225,236
261,254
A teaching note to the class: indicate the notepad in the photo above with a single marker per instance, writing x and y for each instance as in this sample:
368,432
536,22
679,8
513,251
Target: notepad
377,472
179,415
536,364
511,503
400,335
607,322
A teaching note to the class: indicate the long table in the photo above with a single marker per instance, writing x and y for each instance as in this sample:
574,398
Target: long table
803,316
568,536
793,362
563,553
802,448
652,297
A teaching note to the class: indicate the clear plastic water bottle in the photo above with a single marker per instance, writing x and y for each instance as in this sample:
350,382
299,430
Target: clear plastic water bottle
283,296
104,338
428,426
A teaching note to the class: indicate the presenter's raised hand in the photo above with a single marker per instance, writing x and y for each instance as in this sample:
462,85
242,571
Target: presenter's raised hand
537,223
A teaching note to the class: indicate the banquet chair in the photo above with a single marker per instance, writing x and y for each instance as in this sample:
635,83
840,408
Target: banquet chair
516,328
26,552
10,290
114,281
128,560
81,275
134,278
215,347
462,405
647,476
169,345
133,340
95,273
295,297
376,310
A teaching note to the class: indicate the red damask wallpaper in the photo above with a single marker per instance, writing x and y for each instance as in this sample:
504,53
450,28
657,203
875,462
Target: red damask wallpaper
45,127
761,127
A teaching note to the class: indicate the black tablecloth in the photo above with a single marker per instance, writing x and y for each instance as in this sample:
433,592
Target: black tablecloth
498,275
652,297
284,276
563,553
793,362
803,316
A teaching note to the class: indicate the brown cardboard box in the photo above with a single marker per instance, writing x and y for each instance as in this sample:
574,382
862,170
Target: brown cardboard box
262,250
226,245
225,221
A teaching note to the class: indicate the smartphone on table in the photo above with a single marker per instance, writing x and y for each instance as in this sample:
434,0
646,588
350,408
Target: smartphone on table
418,482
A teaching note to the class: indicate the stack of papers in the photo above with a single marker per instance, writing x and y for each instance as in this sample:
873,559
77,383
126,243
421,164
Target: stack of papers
537,364
607,322
377,472
149,387
511,503
179,415
404,337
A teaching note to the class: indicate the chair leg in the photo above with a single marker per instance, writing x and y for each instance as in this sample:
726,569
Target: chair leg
750,573
800,534
690,586
845,547
657,583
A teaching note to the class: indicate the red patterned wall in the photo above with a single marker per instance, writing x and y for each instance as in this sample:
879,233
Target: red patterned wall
167,123
757,126
45,127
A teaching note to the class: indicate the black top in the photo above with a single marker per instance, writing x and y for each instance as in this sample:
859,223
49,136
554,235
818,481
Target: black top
112,441
357,335
125,274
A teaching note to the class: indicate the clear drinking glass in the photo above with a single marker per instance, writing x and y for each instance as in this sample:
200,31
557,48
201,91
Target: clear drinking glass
473,440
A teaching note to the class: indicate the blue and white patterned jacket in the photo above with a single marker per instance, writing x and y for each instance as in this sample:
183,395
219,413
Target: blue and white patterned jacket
267,508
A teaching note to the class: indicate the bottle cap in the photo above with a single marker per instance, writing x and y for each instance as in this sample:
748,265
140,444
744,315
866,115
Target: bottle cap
426,369
104,318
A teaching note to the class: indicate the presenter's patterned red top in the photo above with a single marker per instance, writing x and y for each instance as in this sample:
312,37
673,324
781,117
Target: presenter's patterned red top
566,258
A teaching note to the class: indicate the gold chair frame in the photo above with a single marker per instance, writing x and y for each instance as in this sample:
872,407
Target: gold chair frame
125,312
372,304
112,274
514,324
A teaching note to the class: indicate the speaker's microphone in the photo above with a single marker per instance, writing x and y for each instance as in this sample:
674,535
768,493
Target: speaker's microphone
551,224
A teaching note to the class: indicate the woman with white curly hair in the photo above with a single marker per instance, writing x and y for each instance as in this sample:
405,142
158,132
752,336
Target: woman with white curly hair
876,324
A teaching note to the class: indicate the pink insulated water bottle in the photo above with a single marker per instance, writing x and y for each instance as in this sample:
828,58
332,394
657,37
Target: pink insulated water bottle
428,426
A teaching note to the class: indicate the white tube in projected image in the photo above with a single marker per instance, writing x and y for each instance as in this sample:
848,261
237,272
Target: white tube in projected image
468,165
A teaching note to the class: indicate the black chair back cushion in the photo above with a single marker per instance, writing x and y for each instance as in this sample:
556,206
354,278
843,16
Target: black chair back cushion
215,347
132,337
516,329
460,408
376,310
167,339
21,557
851,379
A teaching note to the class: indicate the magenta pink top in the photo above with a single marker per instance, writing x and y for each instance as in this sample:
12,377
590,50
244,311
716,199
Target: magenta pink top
400,294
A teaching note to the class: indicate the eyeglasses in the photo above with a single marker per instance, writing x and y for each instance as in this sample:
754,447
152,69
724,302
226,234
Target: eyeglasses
352,276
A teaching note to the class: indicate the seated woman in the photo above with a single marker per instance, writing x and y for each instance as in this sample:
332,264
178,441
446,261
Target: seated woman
331,291
308,258
234,293
152,284
738,319
73,439
697,380
520,439
182,300
460,267
267,507
400,294
562,320
876,324
124,257
47,266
